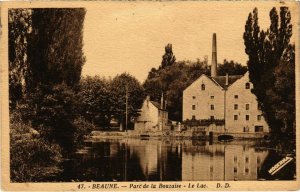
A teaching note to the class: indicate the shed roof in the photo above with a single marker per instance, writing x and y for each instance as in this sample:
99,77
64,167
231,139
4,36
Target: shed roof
156,104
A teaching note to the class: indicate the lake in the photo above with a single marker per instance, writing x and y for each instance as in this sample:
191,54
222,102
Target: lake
174,160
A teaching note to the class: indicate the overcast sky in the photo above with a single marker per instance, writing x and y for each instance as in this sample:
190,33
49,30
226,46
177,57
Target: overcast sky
131,36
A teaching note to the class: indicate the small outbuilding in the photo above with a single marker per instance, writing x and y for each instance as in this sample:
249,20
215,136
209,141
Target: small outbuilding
153,116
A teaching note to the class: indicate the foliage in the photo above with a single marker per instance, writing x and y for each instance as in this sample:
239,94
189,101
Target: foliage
83,127
19,25
95,100
55,47
231,68
119,86
52,111
168,58
271,68
45,63
46,56
30,155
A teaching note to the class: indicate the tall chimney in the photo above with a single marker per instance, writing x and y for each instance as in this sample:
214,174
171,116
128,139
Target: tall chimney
214,56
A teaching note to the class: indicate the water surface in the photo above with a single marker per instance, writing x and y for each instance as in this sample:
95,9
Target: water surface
173,160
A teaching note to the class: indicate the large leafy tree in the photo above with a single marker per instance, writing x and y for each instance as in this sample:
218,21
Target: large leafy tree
119,86
271,68
46,59
95,100
55,48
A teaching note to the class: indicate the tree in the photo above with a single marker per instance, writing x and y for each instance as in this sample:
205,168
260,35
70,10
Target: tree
270,55
46,60
168,58
119,86
95,100
55,48
19,25
231,68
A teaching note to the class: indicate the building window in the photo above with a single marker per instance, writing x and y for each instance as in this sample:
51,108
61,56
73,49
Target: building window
212,107
193,117
194,97
194,107
212,117
202,87
212,97
236,106
247,171
235,169
247,117
235,159
235,117
247,106
247,86
258,117
236,96
246,159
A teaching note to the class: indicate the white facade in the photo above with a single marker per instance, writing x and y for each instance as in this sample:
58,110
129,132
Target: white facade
152,117
203,99
224,98
242,112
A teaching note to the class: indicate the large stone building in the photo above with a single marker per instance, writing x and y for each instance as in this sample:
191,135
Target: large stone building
153,116
225,98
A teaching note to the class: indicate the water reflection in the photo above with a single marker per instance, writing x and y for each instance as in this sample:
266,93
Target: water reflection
163,160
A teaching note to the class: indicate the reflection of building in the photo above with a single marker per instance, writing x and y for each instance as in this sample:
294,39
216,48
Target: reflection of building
157,161
203,163
229,98
221,162
242,162
153,116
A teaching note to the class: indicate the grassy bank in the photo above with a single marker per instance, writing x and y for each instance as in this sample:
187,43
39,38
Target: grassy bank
32,158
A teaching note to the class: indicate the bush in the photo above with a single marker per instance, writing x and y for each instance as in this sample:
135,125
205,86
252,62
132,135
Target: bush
31,157
82,127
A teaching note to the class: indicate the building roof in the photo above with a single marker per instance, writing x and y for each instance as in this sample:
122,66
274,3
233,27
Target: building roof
221,80
156,104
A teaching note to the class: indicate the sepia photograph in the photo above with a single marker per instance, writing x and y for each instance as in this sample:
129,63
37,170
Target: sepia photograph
158,91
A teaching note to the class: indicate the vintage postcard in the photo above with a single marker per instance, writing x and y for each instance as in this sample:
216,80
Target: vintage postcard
149,95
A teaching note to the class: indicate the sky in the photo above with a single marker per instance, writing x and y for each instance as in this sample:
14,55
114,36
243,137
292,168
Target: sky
131,36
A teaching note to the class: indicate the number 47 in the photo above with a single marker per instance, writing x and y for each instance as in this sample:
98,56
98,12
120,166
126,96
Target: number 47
81,186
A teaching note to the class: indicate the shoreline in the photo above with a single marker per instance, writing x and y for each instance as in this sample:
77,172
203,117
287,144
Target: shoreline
201,135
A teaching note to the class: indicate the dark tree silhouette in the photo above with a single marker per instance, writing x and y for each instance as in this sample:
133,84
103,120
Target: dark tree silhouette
269,53
168,58
55,48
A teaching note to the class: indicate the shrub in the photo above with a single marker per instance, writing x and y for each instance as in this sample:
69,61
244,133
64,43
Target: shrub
30,154
82,127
